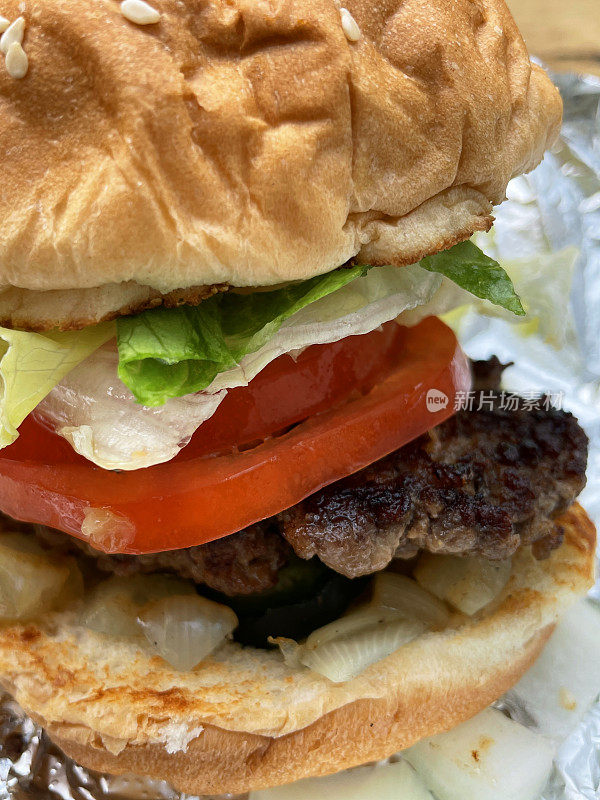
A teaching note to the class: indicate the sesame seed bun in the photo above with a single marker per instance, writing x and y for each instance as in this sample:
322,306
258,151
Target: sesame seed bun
248,143
244,720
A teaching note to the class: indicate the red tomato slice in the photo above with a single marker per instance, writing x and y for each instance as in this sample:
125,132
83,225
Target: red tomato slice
198,498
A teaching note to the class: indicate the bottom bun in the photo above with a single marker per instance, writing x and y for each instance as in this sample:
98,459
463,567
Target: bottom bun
243,720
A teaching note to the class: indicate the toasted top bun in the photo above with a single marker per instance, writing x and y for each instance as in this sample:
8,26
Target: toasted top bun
244,720
246,142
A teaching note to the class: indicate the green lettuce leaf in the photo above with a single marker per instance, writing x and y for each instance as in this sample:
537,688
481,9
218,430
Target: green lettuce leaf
31,364
166,353
467,266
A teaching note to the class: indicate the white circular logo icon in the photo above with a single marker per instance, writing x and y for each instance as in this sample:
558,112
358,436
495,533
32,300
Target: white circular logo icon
436,400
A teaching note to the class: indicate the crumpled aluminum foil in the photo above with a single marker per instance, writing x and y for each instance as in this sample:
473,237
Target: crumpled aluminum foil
556,206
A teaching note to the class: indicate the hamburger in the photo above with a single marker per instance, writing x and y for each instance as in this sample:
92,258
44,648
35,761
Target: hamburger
252,530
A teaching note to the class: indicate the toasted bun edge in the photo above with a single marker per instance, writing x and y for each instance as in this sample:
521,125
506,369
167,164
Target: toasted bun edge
219,761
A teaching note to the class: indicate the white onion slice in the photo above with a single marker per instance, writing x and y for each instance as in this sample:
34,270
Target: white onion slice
346,657
404,595
31,581
350,624
345,648
290,650
559,689
185,630
489,756
113,606
97,414
397,781
468,583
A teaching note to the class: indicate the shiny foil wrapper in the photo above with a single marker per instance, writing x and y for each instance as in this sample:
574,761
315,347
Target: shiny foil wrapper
554,208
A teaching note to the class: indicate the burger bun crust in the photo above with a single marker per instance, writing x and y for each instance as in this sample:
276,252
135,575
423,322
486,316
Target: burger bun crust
248,143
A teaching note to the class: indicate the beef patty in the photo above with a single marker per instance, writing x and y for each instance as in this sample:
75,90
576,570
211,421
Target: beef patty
481,483
244,563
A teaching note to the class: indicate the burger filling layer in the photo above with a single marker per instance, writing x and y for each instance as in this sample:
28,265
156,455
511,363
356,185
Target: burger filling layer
481,483
473,489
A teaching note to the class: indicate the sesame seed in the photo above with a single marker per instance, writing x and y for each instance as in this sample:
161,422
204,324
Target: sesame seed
17,63
14,33
350,26
4,23
139,12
